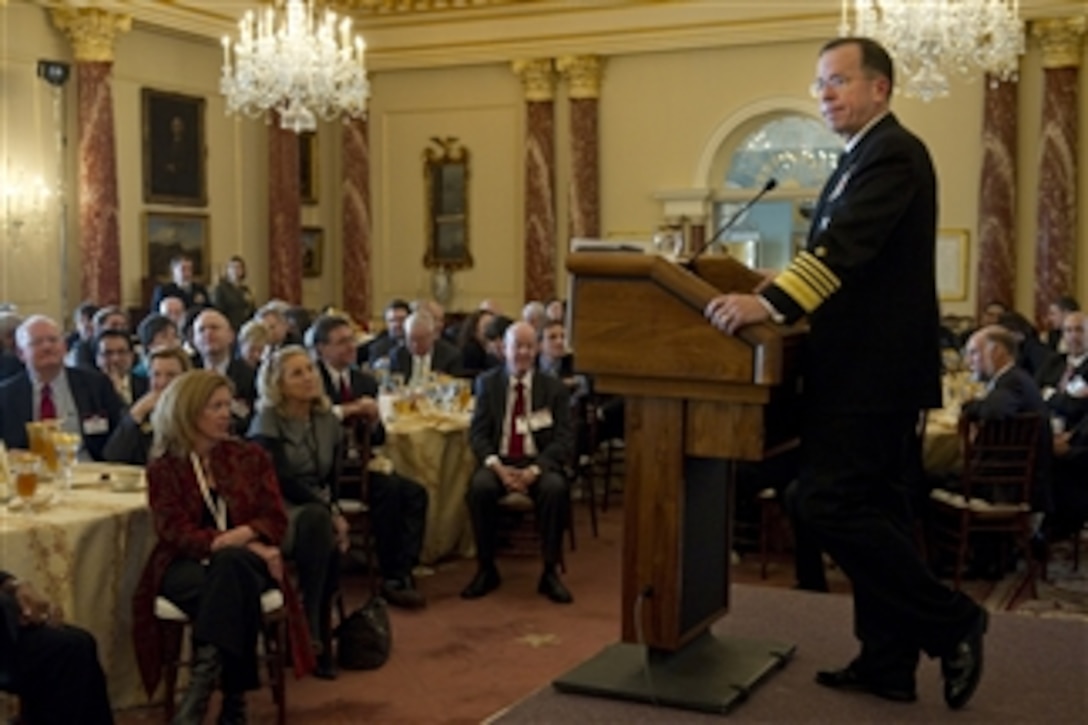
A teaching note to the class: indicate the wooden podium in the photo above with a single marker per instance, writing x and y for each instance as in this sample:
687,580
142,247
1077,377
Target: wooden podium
697,400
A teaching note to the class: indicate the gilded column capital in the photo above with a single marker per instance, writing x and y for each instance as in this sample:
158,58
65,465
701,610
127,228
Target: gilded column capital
537,78
91,31
583,73
1060,39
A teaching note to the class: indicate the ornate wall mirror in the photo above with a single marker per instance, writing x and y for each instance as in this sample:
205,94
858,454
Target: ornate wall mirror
445,176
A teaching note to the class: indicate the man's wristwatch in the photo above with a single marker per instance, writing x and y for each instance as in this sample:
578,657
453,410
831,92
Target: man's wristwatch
491,461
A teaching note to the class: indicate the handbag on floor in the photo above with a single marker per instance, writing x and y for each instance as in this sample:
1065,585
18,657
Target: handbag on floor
365,637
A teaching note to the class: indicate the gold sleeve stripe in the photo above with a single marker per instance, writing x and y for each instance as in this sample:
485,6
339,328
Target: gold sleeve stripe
817,273
808,281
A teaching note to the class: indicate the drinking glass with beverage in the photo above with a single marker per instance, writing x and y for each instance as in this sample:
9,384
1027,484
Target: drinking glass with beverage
66,446
25,467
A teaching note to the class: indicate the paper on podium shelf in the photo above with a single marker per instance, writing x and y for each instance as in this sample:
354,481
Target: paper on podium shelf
585,244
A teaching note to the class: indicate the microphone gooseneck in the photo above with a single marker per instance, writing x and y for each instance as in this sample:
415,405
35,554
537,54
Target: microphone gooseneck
771,184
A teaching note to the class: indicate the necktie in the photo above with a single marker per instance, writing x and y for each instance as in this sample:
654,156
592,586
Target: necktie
517,440
47,409
345,389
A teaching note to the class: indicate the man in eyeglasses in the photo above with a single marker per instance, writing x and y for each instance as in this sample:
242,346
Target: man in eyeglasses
869,264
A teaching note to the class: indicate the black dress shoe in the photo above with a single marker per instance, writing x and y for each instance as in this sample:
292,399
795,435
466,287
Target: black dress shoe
848,678
325,669
403,593
485,581
962,665
553,589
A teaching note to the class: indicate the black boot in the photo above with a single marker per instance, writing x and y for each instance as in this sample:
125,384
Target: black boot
202,683
233,711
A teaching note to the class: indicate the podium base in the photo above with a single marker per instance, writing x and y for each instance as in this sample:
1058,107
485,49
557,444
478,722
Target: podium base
710,674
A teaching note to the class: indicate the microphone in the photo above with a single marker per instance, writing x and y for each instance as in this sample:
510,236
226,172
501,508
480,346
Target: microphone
771,184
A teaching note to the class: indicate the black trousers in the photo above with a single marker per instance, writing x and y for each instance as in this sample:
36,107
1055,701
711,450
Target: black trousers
550,495
858,472
58,677
223,601
311,544
398,512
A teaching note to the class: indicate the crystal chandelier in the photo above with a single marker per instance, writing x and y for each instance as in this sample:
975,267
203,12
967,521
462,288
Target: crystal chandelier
931,40
287,60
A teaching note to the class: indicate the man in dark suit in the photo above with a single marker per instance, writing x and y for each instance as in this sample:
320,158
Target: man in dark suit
53,667
424,351
522,436
214,342
396,312
1070,484
114,357
181,285
83,400
1064,379
398,505
869,264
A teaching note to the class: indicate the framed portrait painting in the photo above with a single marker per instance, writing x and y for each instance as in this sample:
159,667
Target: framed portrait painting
168,234
313,243
173,148
953,253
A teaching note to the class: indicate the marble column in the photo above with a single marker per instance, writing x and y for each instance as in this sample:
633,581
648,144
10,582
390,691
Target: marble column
538,79
1056,224
997,197
92,33
356,219
284,215
583,76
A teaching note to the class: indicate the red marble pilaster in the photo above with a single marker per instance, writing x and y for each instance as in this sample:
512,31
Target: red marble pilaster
356,220
284,216
585,202
997,198
540,201
99,230
1055,250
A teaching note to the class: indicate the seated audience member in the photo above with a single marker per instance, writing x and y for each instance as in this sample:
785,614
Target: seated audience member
473,344
83,354
252,343
376,352
1064,380
294,424
521,434
438,315
1033,355
554,358
214,341
535,314
154,332
1070,484
131,441
219,522
53,667
114,357
1055,315
556,311
424,351
173,309
181,285
83,324
9,359
273,315
298,322
82,399
495,333
991,354
398,505
232,296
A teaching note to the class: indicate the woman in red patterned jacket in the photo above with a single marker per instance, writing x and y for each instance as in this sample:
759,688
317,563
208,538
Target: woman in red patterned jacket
219,519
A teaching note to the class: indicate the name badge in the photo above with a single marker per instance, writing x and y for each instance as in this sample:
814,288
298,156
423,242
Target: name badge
95,425
540,419
521,426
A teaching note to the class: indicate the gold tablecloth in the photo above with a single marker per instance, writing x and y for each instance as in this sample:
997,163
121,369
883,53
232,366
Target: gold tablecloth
85,552
434,450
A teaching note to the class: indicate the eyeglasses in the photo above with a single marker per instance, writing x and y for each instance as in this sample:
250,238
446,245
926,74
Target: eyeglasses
835,83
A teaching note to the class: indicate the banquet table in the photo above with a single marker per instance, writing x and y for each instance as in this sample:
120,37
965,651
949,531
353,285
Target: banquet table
85,552
433,449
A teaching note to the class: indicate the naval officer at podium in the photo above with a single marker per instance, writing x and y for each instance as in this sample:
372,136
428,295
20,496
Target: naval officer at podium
866,282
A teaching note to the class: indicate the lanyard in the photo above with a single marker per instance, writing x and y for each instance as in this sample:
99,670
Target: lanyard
218,507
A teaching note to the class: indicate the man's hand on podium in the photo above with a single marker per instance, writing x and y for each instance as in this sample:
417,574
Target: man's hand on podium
731,312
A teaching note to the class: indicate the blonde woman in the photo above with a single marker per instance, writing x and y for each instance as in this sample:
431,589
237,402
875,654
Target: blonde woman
295,424
220,521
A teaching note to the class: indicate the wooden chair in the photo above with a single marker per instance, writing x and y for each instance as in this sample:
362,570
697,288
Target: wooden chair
995,494
580,471
352,476
518,535
172,623
606,455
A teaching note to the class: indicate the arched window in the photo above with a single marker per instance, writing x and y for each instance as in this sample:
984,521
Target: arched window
799,153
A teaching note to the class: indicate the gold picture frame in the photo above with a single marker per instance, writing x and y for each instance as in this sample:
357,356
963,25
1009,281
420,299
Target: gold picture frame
308,167
173,148
168,234
446,179
953,255
313,251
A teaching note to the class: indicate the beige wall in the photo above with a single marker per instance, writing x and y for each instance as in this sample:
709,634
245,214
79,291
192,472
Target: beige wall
659,113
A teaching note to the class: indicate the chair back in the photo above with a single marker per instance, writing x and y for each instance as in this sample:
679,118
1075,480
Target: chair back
350,474
999,458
